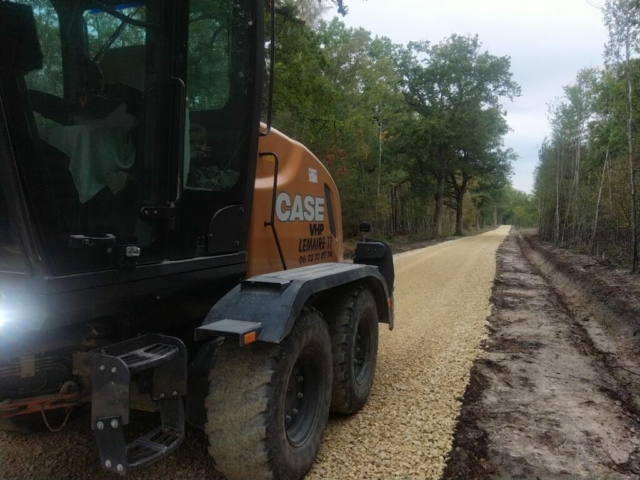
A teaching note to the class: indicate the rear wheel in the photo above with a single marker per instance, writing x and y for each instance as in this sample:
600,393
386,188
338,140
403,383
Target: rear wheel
354,342
268,405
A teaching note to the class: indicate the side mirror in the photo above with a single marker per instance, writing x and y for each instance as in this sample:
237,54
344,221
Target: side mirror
20,50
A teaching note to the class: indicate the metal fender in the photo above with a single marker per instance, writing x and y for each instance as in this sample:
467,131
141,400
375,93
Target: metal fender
265,307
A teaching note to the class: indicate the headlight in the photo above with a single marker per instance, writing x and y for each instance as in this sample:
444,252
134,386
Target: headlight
12,314
6,315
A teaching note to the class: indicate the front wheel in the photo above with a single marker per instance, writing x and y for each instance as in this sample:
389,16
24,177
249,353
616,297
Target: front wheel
268,405
354,339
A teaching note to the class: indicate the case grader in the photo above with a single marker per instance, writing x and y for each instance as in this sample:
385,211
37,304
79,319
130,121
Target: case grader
162,249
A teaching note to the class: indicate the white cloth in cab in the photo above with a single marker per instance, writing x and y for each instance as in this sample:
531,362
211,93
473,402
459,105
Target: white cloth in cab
96,149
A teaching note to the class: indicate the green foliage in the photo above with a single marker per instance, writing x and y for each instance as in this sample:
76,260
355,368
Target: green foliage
49,79
208,58
457,89
405,131
519,208
588,166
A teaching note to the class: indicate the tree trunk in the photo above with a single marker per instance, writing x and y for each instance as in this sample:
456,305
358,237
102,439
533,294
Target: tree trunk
611,237
459,212
393,223
495,214
556,229
437,213
565,224
458,192
632,181
379,148
542,228
576,225
595,222
439,196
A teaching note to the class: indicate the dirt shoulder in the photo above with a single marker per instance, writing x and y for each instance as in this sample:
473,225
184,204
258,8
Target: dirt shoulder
605,301
544,401
405,243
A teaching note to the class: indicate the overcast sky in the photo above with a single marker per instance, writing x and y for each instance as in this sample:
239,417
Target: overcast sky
548,42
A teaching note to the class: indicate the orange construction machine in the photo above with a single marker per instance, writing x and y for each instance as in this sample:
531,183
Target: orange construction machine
162,249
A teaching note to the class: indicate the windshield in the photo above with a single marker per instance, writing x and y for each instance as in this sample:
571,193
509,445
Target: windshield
88,149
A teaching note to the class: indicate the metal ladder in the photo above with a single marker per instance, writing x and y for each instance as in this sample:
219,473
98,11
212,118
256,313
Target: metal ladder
111,371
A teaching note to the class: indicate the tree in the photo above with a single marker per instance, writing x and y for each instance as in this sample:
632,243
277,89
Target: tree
583,188
621,20
457,88
309,11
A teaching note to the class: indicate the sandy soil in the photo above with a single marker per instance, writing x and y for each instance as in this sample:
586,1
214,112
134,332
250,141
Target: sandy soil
543,401
604,301
405,430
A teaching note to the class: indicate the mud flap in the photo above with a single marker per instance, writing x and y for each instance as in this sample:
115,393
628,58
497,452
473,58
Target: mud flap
378,254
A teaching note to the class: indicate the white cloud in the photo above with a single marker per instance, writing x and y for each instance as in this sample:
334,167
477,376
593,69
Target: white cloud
548,42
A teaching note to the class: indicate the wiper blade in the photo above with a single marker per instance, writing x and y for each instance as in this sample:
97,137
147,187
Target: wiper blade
114,36
122,16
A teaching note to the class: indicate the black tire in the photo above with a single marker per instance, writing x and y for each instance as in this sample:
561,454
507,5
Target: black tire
258,426
353,326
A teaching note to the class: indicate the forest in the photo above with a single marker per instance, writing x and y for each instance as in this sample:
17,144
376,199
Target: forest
586,179
413,134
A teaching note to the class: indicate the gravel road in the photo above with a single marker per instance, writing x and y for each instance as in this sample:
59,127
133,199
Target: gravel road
405,430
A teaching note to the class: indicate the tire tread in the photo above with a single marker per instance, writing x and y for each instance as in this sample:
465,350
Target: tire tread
342,328
242,398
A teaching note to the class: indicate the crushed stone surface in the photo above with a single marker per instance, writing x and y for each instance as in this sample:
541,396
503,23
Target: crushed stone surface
405,430
441,305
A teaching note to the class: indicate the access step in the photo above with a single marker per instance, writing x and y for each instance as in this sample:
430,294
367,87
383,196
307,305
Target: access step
111,371
156,443
149,357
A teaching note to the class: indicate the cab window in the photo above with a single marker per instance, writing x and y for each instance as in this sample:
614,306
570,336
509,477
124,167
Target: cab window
49,78
85,133
220,77
208,168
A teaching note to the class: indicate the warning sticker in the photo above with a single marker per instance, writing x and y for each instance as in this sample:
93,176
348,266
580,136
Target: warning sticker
313,175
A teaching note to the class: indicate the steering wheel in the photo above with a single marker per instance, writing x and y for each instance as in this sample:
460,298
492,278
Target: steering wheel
52,107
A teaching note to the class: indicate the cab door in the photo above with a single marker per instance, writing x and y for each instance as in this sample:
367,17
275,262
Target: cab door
85,126
222,77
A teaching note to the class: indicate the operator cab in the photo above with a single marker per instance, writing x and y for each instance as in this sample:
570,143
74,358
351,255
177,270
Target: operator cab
126,130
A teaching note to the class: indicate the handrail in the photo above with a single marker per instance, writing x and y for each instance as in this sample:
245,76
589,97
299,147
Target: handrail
271,223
